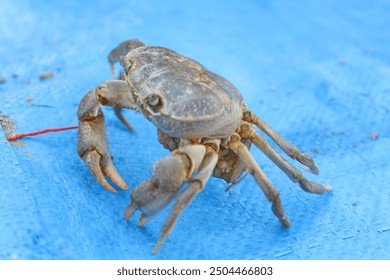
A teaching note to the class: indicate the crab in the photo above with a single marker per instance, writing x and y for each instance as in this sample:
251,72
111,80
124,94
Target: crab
200,117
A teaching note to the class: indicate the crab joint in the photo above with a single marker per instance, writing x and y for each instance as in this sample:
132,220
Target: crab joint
195,153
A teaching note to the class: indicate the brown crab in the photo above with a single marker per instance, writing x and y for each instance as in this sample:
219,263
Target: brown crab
200,117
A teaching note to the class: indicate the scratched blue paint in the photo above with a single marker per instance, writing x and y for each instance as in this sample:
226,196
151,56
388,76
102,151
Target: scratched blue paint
319,73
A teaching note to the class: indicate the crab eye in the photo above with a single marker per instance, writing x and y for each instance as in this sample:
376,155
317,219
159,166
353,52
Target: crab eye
155,102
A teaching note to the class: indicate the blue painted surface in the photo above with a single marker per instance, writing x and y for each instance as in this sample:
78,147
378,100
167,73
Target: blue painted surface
319,73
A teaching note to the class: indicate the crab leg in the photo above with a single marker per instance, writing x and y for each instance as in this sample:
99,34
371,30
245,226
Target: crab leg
118,113
122,49
293,173
265,184
113,57
92,145
196,185
290,149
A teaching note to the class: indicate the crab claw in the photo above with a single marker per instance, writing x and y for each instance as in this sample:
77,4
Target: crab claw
95,165
92,144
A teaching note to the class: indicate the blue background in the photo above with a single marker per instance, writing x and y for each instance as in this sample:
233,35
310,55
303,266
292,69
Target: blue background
317,71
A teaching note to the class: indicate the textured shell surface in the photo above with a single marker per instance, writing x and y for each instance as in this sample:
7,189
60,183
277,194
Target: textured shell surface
194,102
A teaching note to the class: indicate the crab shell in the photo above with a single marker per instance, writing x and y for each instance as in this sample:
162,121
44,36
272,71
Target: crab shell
180,96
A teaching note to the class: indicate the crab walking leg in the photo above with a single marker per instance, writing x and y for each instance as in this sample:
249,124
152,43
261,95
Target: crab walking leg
118,110
118,113
92,145
265,184
196,185
169,174
114,57
290,149
293,173
122,49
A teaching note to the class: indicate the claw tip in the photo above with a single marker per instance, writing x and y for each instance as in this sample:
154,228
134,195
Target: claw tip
110,189
130,210
157,247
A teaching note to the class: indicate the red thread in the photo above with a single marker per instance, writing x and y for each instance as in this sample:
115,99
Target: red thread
22,135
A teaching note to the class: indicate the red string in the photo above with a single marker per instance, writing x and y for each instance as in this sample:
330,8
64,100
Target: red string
22,135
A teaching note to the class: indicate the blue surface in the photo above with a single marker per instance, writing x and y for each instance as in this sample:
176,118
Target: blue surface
318,72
